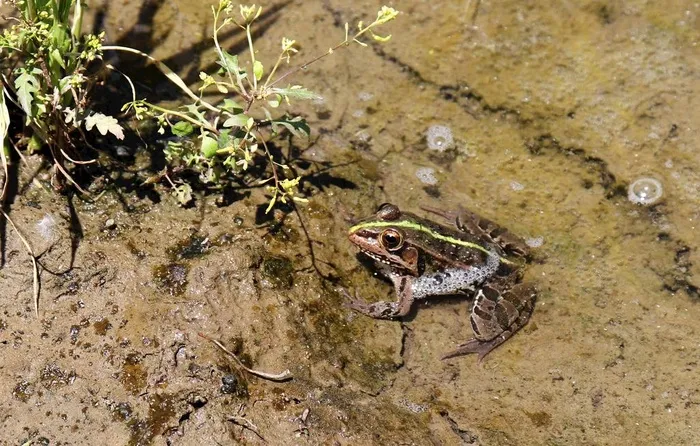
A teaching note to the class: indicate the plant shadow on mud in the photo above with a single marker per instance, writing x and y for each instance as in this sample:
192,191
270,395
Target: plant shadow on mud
132,167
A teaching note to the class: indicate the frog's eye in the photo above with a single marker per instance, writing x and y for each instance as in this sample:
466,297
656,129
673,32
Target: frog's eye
391,239
388,211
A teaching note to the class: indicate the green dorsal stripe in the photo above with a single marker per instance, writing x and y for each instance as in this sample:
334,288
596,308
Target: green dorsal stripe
418,227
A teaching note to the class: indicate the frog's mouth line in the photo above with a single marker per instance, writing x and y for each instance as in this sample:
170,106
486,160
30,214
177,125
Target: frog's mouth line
377,258
396,266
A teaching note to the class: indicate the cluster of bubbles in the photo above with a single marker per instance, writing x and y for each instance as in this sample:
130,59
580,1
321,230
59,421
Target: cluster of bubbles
645,191
535,242
516,186
46,227
439,138
426,175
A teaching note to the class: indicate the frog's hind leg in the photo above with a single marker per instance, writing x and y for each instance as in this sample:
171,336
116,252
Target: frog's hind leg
495,318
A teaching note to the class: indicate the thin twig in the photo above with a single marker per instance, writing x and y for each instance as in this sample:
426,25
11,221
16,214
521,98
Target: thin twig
170,74
475,9
63,152
247,424
279,377
67,175
36,267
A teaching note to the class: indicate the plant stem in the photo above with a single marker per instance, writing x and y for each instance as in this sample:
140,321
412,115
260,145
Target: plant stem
170,74
77,26
183,116
252,55
30,11
274,69
345,42
221,54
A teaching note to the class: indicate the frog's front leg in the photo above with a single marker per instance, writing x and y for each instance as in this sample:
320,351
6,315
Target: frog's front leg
495,317
389,310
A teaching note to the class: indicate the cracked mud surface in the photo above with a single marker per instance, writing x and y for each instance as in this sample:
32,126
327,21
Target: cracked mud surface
555,108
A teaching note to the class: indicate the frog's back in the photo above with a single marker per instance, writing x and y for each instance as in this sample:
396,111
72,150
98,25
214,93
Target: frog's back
448,243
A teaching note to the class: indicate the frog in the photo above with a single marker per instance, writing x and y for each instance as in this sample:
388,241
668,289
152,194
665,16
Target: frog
465,254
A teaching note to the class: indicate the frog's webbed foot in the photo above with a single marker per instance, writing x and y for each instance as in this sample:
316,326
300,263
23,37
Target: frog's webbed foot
376,310
474,346
496,317
383,309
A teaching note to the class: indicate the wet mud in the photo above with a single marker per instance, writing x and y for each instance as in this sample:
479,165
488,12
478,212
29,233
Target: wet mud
554,109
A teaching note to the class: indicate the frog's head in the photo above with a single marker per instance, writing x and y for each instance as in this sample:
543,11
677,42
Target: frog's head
379,238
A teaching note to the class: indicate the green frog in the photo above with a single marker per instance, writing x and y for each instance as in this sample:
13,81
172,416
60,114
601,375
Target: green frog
423,258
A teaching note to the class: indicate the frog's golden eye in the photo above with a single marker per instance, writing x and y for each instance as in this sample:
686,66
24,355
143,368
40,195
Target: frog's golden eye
391,239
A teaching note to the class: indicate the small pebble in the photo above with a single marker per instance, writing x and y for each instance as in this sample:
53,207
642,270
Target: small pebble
123,151
110,224
363,136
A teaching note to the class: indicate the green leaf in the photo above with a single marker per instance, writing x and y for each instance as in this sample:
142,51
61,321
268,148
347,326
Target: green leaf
379,38
232,106
182,128
183,193
297,125
224,138
194,110
57,58
209,146
275,100
296,92
229,62
26,85
239,120
272,203
258,70
104,124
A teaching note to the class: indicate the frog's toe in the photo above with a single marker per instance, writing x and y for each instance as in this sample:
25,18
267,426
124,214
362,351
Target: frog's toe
482,348
345,293
377,310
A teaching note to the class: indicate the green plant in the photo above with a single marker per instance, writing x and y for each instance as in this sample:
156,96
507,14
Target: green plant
234,133
44,58
44,62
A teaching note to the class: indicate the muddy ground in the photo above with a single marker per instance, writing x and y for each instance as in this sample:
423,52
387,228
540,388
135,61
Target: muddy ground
555,109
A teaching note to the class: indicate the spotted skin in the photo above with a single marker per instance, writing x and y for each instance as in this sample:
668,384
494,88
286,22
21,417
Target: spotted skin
424,259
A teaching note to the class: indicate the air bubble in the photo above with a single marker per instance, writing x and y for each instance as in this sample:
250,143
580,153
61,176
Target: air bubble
439,138
46,227
426,175
645,191
535,242
365,96
516,186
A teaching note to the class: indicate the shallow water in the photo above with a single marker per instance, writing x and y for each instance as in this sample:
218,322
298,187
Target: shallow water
555,109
